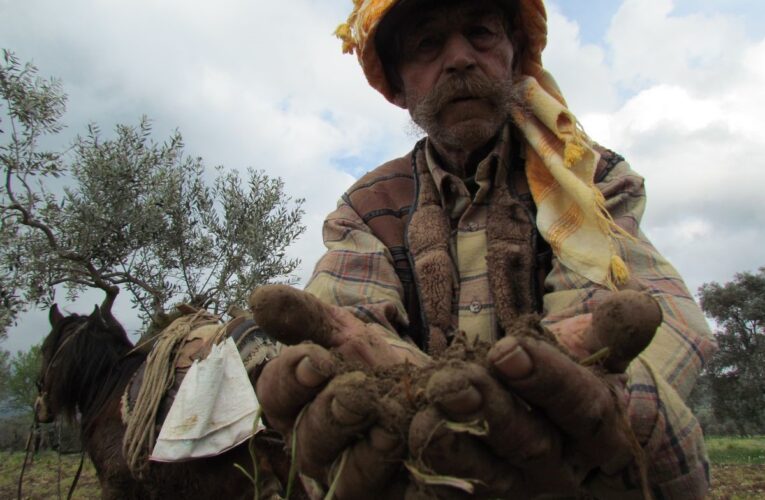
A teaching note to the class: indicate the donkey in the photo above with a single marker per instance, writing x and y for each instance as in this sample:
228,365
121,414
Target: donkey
87,362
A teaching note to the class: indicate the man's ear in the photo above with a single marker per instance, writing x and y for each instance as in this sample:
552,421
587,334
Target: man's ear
399,100
518,41
396,85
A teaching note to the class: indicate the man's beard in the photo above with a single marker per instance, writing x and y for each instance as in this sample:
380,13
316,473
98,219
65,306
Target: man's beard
502,96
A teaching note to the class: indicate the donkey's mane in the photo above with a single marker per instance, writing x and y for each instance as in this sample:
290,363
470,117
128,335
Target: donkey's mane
92,360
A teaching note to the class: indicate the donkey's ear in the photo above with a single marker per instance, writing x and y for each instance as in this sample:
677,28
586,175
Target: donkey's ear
110,320
55,316
97,316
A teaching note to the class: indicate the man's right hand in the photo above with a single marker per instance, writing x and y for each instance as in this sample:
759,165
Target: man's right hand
292,380
335,418
302,398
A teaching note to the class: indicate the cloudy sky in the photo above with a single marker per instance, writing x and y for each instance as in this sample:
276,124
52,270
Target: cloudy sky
675,86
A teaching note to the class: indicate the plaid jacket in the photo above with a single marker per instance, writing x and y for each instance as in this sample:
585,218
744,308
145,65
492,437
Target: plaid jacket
368,267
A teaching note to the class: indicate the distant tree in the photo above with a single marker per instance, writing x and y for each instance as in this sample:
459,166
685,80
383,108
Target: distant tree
21,390
127,213
5,371
736,375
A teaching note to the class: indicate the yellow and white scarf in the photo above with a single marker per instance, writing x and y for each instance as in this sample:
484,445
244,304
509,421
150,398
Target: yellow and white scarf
560,169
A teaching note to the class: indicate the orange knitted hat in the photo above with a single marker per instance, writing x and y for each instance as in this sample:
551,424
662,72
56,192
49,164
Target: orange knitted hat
359,31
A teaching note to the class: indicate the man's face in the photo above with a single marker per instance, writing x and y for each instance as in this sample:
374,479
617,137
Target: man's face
455,64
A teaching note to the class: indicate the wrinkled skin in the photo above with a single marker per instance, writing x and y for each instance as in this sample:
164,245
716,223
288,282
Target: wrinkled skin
547,420
302,379
550,421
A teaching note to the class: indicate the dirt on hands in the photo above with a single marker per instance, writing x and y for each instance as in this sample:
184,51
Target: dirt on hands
381,429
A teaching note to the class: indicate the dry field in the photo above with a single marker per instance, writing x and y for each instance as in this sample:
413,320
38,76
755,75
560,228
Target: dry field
41,478
738,467
738,472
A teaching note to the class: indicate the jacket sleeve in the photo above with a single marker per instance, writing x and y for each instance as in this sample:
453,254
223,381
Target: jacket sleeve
357,272
662,377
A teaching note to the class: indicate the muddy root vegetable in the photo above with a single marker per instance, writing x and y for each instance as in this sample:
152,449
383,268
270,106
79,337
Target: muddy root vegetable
625,323
291,316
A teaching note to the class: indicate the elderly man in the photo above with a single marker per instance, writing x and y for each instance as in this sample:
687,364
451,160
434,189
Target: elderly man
505,208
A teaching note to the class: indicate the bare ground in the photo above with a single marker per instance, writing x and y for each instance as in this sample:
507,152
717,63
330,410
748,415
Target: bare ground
730,482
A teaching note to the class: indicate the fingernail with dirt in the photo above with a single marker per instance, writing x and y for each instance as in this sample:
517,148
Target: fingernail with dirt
511,359
463,402
453,393
345,415
383,440
307,374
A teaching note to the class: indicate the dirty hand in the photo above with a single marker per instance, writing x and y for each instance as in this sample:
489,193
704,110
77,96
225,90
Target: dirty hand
336,420
487,441
535,421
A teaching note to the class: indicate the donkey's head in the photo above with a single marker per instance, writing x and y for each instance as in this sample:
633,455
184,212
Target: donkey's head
77,353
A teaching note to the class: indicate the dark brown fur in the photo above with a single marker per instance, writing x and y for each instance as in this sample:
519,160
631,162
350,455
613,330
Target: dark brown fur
87,362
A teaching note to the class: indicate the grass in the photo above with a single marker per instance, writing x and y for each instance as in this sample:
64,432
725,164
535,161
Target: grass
738,472
736,451
738,467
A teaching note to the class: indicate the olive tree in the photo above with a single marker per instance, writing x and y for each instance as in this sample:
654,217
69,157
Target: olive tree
735,377
127,213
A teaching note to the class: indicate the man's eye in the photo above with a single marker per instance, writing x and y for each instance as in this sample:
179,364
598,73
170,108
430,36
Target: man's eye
427,43
425,48
479,31
481,36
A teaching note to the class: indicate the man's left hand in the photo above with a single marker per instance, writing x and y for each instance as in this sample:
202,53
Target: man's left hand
536,422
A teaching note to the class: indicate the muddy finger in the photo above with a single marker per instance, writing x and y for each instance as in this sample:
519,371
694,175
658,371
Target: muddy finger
455,461
583,405
625,323
291,380
512,429
469,394
372,467
339,415
292,316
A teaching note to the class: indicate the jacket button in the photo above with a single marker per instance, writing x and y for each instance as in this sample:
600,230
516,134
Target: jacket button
475,307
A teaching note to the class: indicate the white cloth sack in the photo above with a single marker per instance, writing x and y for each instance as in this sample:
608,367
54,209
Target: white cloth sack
214,410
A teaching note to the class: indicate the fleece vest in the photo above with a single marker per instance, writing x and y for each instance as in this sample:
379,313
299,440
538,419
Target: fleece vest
400,204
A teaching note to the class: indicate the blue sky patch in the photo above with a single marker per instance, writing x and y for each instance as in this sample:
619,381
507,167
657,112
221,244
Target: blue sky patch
593,16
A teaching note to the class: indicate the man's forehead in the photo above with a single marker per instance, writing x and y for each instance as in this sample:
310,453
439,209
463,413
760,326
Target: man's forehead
412,17
426,12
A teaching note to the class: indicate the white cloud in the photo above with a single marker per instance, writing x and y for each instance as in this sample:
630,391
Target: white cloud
651,45
690,125
580,69
263,84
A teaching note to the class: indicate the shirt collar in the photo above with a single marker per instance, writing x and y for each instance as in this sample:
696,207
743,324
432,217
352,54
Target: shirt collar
454,194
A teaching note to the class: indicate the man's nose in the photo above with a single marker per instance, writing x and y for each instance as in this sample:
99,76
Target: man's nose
459,54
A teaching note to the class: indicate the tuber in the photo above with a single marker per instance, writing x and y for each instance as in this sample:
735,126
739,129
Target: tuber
625,323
